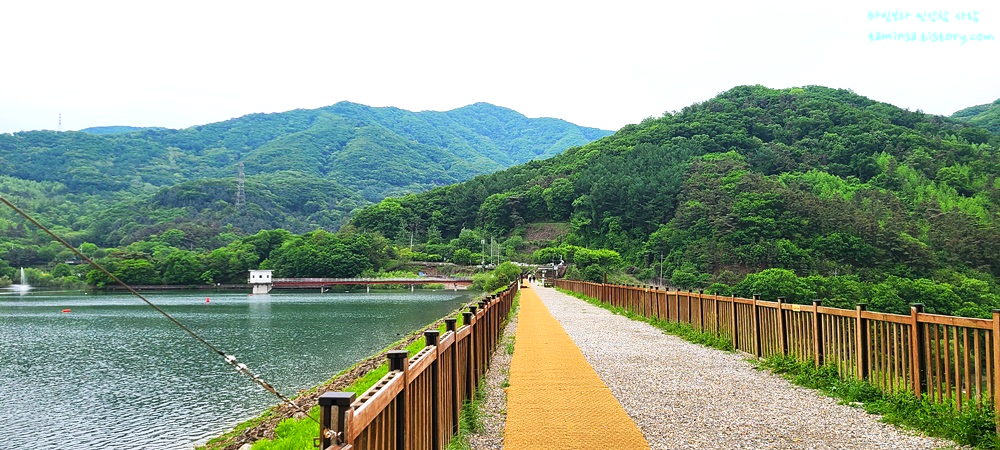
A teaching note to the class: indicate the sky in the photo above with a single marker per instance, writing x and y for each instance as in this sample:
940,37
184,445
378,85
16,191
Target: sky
601,64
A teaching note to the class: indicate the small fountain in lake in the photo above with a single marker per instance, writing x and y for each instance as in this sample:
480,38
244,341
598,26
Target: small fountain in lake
24,286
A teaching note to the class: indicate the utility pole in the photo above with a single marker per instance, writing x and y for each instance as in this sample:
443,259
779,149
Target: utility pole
241,196
482,253
661,268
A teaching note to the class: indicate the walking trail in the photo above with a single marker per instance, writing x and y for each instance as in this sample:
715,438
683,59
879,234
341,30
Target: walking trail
578,370
555,399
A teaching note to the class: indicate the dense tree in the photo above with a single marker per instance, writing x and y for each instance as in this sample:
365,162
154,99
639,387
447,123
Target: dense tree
323,254
182,267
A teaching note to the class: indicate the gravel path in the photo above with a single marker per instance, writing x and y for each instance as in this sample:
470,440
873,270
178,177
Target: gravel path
494,407
683,395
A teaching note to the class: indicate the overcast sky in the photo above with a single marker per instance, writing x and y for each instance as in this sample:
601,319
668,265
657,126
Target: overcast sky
603,64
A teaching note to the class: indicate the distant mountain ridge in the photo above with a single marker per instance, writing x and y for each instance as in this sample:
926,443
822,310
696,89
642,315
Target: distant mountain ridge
986,116
378,150
305,168
117,129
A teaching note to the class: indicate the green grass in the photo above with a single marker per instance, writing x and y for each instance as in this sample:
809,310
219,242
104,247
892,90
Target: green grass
470,420
683,330
514,307
292,434
970,426
237,430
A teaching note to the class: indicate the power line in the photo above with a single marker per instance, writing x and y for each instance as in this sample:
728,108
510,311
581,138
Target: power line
241,195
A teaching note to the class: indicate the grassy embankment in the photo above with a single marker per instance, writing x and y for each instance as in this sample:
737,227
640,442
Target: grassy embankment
970,426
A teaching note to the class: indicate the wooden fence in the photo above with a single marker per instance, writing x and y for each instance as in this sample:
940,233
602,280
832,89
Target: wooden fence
416,405
946,358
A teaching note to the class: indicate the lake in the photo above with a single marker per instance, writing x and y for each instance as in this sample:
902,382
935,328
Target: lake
114,373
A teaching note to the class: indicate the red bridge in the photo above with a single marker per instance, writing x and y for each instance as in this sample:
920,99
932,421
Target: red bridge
324,283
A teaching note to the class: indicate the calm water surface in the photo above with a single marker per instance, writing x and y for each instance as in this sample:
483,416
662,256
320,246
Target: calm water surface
114,373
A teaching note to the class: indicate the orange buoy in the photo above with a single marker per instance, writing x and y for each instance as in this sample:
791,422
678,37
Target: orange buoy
66,310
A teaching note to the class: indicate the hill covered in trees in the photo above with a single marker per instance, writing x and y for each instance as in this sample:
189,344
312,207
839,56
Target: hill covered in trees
305,169
986,116
377,151
807,193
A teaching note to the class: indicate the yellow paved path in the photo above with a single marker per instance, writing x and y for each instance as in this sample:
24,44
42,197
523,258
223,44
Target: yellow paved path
555,399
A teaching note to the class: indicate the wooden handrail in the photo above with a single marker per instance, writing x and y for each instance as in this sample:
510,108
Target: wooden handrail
409,407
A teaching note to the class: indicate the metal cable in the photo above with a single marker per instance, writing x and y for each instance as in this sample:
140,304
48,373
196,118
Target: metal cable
230,359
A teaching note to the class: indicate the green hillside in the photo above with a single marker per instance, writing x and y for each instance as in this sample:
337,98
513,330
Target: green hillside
837,194
986,116
305,169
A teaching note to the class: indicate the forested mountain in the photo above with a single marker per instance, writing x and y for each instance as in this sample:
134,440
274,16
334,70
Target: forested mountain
986,116
840,196
305,169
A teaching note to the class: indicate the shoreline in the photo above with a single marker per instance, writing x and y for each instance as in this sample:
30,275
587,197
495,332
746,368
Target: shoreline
263,425
243,287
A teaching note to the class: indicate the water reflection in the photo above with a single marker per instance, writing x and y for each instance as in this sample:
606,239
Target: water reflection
116,374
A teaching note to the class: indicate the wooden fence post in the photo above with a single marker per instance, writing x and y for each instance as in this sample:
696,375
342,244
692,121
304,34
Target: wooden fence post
733,325
715,300
756,327
918,358
475,343
334,417
398,360
470,361
690,318
996,365
456,403
431,338
861,336
701,310
488,314
782,328
817,334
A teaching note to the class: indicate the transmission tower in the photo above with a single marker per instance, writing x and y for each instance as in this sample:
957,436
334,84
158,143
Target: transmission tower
59,129
241,196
